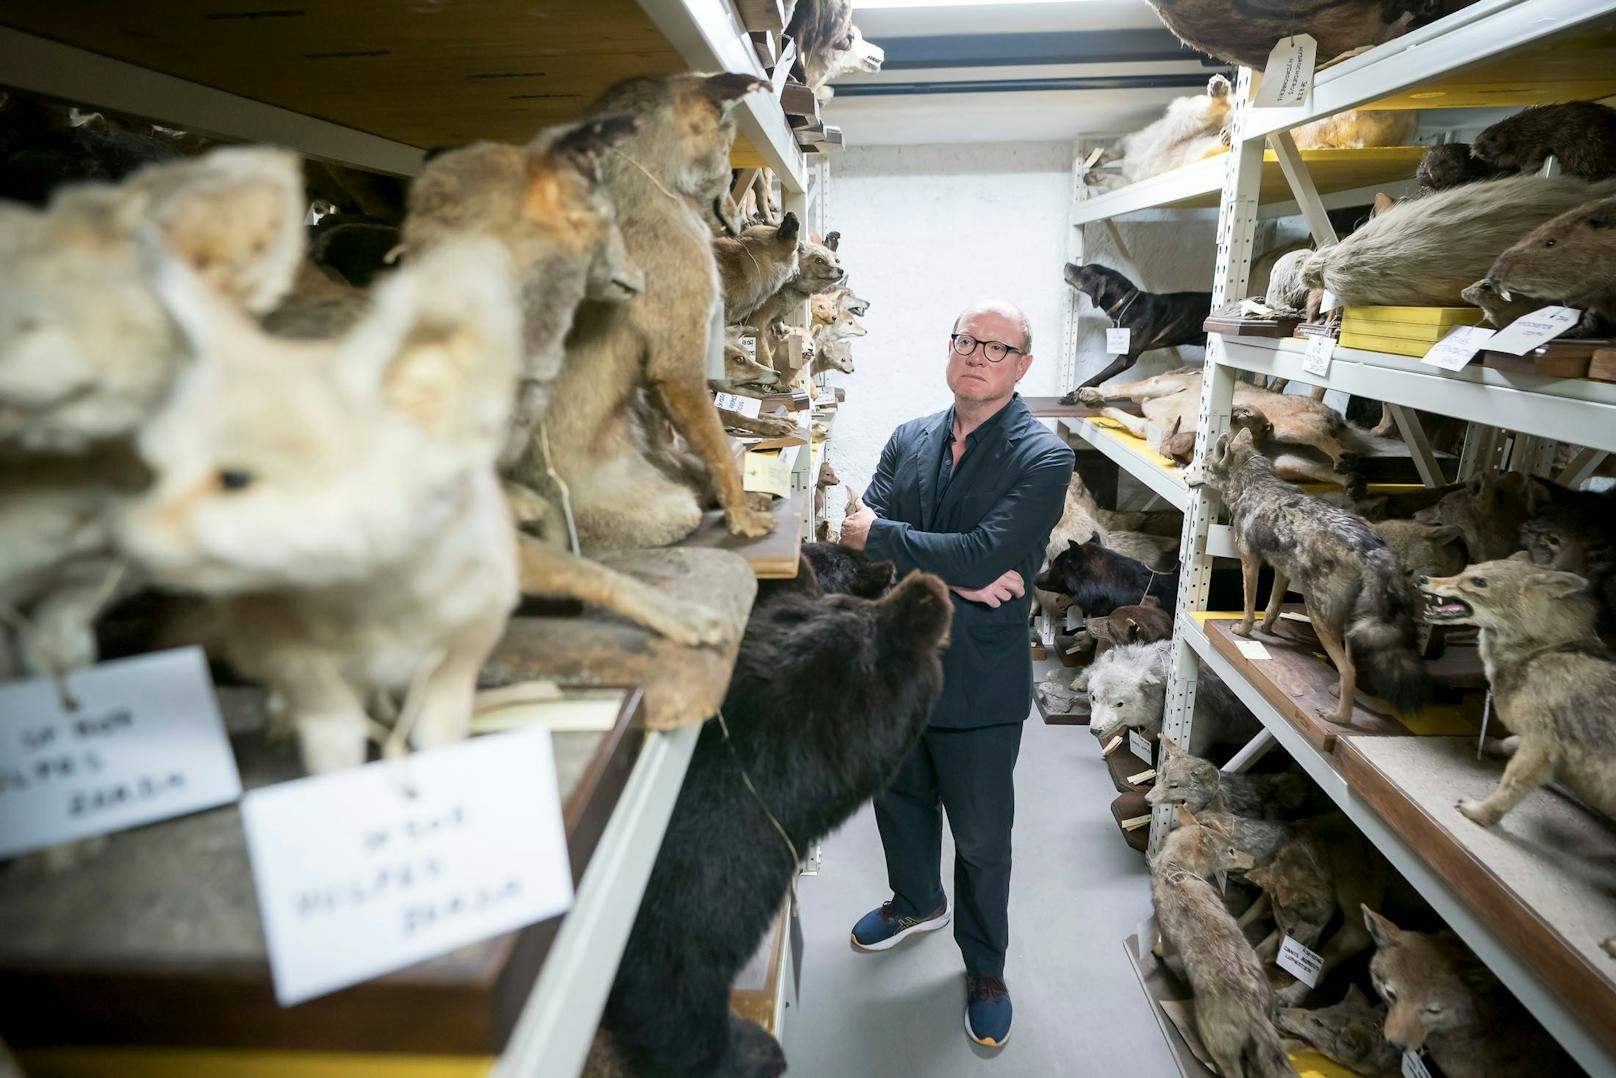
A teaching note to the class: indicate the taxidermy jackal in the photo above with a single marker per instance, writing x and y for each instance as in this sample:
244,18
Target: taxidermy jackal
1361,605
1348,1032
1553,682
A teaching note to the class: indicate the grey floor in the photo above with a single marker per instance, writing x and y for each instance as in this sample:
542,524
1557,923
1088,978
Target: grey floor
1076,893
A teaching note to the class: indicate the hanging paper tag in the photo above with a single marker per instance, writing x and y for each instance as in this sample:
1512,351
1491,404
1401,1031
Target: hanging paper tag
1316,360
1414,1065
1140,746
1458,348
143,743
1251,649
1531,330
1288,77
374,868
749,346
1328,302
1300,962
1094,155
1074,618
750,407
1118,339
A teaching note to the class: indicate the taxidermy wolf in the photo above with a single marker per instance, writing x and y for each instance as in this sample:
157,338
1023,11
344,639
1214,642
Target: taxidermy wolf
337,500
1183,778
663,179
755,265
1127,689
1441,1000
1245,35
1348,1033
1154,319
548,205
1233,1003
1425,251
1360,603
1100,580
1553,682
873,670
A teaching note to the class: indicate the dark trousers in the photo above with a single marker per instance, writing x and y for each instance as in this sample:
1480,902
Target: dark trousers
970,773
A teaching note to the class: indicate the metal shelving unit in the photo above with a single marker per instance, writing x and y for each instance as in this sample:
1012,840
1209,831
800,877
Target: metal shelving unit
1492,53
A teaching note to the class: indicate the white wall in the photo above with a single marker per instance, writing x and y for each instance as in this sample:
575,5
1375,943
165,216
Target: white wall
926,230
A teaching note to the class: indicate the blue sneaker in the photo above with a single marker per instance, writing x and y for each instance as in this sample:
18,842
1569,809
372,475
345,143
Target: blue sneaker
882,927
987,1010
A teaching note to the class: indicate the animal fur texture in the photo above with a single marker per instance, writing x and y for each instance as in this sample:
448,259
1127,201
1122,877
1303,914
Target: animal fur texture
1442,1001
828,696
740,368
663,180
1565,261
338,501
1500,312
1127,689
841,570
1245,35
1183,778
1099,580
1233,1003
833,348
86,351
1574,533
1360,603
854,54
1153,319
1143,623
1489,510
1286,288
1359,129
821,29
1581,135
1082,518
1553,683
1423,549
754,265
1348,1033
1450,164
818,270
1425,251
1191,128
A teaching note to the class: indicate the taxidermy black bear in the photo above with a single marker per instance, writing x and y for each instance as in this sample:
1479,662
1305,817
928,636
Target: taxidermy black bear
829,693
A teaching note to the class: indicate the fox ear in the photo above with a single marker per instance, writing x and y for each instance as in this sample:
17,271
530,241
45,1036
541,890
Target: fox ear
789,227
1073,544
1558,585
209,325
584,144
1170,746
833,240
1242,438
441,344
1383,202
1383,931
1443,534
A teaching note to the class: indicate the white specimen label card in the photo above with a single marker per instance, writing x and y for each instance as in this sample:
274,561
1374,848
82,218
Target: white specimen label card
1139,745
1316,360
1414,1065
1288,77
1300,962
749,346
1118,339
1530,330
750,407
1094,155
1074,619
374,868
1251,649
143,742
1328,302
1294,615
1458,348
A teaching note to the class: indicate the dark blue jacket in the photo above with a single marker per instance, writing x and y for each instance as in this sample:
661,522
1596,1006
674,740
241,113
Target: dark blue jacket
996,514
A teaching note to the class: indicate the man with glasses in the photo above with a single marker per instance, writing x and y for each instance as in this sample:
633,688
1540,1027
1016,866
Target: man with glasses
971,495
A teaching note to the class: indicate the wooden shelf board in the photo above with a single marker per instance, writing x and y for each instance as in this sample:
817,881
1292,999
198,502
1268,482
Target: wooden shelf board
1052,408
1544,876
773,557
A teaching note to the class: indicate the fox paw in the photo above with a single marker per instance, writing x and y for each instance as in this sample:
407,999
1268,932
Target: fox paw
689,624
1478,811
749,523
1243,628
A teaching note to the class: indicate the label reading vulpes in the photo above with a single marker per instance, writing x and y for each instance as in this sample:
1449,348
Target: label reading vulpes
1139,745
1288,77
750,407
1414,1065
1118,339
1530,330
1300,962
138,740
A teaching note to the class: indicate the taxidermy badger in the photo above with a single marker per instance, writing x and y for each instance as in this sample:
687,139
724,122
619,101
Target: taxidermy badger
814,757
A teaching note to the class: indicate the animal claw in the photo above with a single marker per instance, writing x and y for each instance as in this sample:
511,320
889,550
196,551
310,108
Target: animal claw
1476,811
749,523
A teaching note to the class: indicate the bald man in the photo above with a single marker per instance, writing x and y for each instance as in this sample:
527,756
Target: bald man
969,494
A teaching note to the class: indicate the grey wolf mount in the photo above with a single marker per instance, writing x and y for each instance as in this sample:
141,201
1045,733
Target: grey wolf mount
1127,689
1361,605
1155,320
663,180
1553,682
336,501
830,693
1443,1002
88,353
1243,34
1234,1004
547,204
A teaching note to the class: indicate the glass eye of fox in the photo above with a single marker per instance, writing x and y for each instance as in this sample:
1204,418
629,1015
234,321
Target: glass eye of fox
234,479
1549,242
1478,581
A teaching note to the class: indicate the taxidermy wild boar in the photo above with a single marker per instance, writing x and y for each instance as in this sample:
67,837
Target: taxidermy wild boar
1424,251
663,180
754,265
1568,261
1581,136
1245,35
337,500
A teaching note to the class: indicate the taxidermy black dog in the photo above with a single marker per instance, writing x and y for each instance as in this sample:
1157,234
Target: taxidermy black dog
1154,319
841,570
1099,579
829,693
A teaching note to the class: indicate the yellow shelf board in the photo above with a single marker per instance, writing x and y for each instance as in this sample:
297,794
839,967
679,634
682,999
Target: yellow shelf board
129,1062
1137,445
1577,66
1331,170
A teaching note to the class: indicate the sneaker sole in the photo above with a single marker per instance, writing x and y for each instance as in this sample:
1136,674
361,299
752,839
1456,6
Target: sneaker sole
985,1042
898,937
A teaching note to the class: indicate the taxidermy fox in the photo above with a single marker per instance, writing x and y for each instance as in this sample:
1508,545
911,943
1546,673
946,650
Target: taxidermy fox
818,269
548,205
833,349
1360,603
1188,780
1444,1002
754,265
337,500
1489,511
664,180
1233,1002
1348,1033
1553,682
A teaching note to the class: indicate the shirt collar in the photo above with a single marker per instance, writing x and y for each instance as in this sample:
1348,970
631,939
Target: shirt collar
988,427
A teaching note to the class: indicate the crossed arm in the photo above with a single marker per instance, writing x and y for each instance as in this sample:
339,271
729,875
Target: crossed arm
978,564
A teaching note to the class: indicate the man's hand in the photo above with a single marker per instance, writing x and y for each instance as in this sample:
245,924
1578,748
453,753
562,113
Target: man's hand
1007,587
856,524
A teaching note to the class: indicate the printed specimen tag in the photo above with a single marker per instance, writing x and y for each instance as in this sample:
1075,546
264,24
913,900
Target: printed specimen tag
1300,962
1316,360
1288,77
1140,746
1458,348
750,407
1118,339
1530,330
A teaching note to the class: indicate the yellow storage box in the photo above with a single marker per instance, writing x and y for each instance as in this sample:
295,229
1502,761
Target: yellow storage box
1403,331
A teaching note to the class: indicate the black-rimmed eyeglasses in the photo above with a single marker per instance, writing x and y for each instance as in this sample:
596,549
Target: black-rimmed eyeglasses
993,351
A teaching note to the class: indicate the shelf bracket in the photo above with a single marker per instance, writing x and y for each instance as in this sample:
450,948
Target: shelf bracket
1301,184
1254,750
1582,465
1419,446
